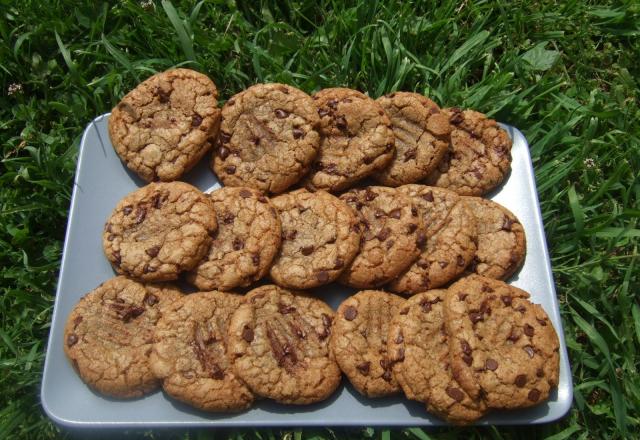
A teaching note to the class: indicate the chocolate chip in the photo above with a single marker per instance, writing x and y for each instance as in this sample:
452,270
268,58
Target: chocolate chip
333,103
421,240
506,223
285,309
476,317
400,355
399,338
297,133
255,258
396,213
247,334
425,305
225,137
290,235
350,313
455,394
284,89
540,372
404,311
72,340
153,251
369,195
466,348
529,350
339,263
323,112
422,264
237,244
132,313
411,228
363,368
521,380
117,259
262,199
306,250
163,96
127,210
341,123
368,160
460,261
506,299
491,364
528,330
414,211
542,322
108,227
223,152
521,309
534,395
443,264
281,114
322,276
326,323
196,121
383,234
147,268
151,299
428,196
228,218
467,359
462,296
77,321
216,372
410,154
230,169
387,375
379,213
389,244
513,336
111,237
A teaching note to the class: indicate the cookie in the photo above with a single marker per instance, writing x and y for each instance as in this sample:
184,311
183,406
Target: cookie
163,127
190,353
502,242
451,243
503,347
356,141
421,135
109,335
245,244
159,230
359,341
392,236
318,239
268,138
279,341
419,353
479,156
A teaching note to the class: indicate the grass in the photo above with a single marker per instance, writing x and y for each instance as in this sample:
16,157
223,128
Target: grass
566,74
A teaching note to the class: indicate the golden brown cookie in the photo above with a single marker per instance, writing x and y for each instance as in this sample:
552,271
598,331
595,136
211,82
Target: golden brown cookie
479,156
318,239
359,341
245,244
163,127
109,334
159,230
279,341
419,352
502,347
392,236
190,353
356,141
268,138
421,133
451,243
502,243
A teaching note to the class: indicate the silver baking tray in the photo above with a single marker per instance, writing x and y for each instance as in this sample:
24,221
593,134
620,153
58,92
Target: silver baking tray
101,180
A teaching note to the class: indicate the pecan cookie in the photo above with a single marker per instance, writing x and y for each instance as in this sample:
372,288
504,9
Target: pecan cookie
421,134
502,242
109,334
190,353
159,230
502,347
419,352
318,239
163,127
357,139
268,138
246,242
359,341
279,342
451,244
479,156
392,236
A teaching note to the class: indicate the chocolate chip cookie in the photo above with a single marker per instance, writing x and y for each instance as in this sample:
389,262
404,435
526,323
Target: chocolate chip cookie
319,239
392,236
268,138
246,242
163,127
279,342
109,334
451,244
479,156
502,347
359,341
418,346
501,239
159,230
421,134
190,353
356,141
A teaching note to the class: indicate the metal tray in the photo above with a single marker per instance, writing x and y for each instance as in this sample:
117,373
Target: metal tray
102,180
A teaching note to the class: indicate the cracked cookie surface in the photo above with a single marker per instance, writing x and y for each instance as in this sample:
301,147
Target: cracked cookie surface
392,236
479,155
247,240
451,243
356,139
279,341
109,334
419,352
502,242
318,239
268,138
159,230
503,347
421,133
190,353
359,341
164,126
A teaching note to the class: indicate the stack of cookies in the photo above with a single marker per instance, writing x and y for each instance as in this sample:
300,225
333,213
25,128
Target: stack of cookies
372,194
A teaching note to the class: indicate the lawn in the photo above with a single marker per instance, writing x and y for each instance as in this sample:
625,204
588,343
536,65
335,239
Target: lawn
566,74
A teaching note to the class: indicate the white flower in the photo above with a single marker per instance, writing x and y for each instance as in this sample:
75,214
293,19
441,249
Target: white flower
589,163
147,4
14,88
